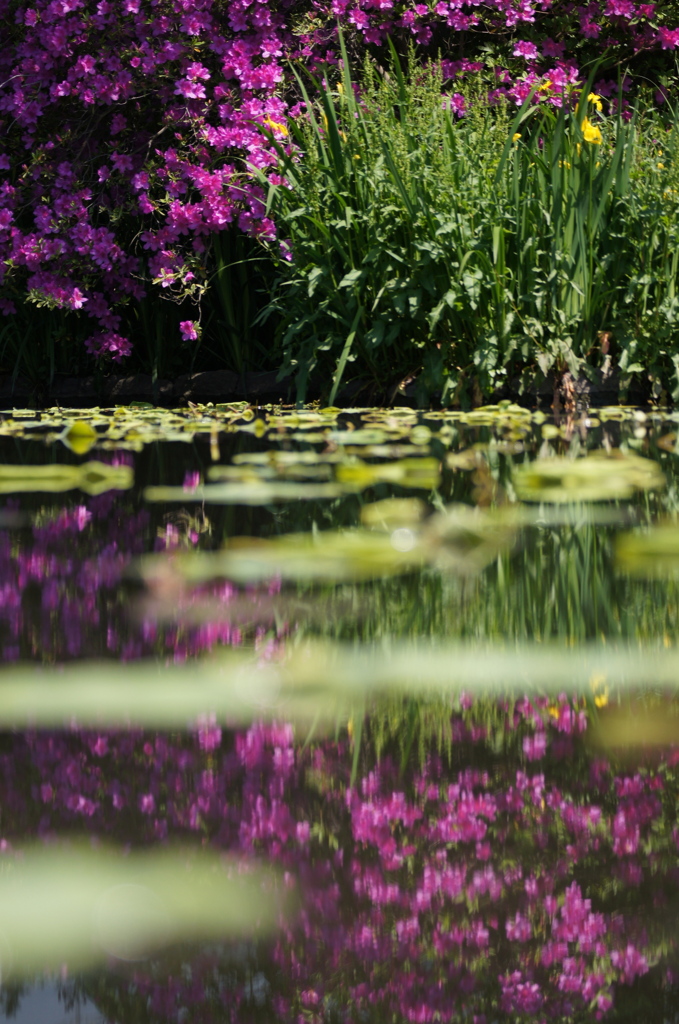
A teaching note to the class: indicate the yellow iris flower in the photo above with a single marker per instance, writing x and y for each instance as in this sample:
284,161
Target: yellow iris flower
275,126
591,133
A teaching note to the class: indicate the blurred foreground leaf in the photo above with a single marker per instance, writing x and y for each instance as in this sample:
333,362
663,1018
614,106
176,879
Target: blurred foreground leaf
148,694
654,553
248,492
78,906
599,476
480,669
633,727
329,556
256,487
423,473
392,513
461,539
318,680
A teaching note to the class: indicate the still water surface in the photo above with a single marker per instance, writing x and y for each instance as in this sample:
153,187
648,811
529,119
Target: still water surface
411,677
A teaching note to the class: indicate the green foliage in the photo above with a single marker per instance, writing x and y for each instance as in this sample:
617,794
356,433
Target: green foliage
42,340
474,248
238,289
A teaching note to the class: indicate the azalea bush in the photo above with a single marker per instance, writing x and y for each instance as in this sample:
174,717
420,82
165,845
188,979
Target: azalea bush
132,132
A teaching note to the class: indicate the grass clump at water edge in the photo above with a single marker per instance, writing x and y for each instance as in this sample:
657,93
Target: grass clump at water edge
471,251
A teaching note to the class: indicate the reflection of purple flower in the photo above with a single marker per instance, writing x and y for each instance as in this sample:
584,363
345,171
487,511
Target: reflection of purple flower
191,480
147,803
209,733
535,746
402,914
518,929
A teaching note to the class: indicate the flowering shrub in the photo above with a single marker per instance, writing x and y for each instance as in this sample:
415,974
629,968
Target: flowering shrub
130,128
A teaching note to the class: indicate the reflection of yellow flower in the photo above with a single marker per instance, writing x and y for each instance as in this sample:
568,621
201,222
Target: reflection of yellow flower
591,133
599,689
596,100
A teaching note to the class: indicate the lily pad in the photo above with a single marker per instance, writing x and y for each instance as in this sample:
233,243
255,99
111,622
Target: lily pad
79,436
422,473
653,553
92,477
329,556
246,492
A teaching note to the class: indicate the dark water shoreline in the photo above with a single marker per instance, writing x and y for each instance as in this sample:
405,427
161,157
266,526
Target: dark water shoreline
262,388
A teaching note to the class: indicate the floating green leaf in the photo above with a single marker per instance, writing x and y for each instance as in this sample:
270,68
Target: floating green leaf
626,728
149,694
92,477
653,553
329,556
422,473
420,668
392,513
247,492
79,436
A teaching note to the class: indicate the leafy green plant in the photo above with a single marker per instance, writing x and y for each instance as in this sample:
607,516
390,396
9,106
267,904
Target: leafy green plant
466,249
648,334
238,290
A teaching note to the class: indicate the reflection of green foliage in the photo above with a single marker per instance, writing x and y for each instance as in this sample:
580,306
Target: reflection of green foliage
561,583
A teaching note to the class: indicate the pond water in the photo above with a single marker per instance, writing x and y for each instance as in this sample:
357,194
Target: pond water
338,716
